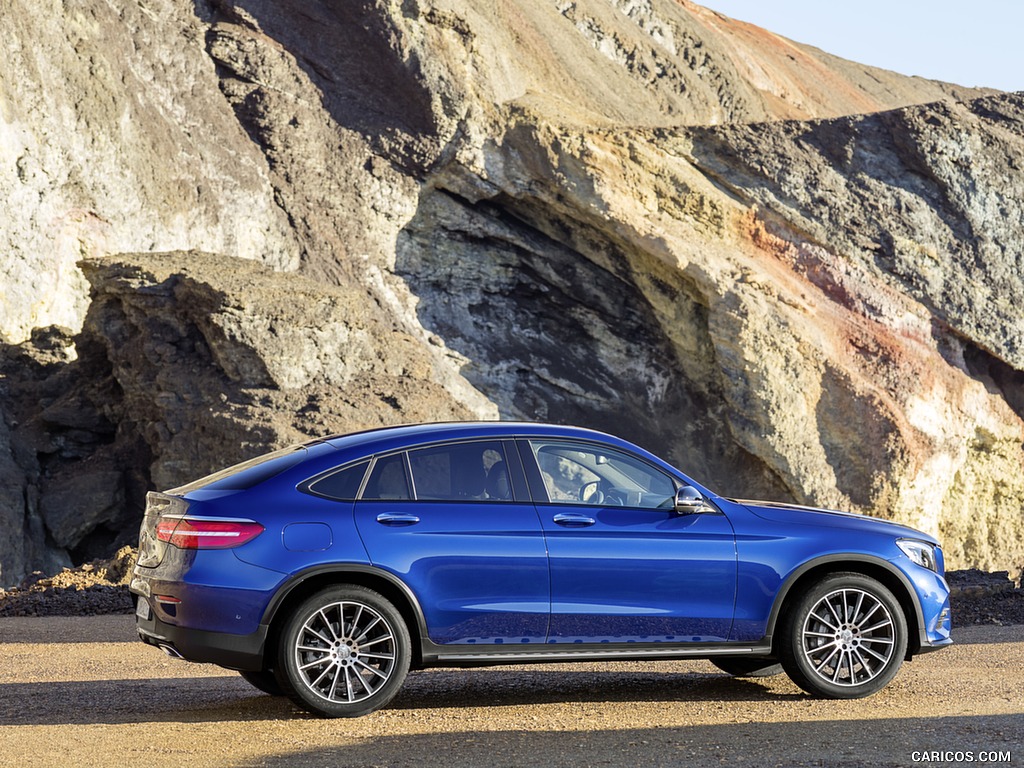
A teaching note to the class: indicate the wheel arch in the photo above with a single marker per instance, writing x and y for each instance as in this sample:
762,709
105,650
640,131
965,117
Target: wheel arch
305,583
882,571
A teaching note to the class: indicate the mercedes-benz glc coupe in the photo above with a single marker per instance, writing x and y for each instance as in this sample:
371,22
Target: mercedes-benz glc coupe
327,570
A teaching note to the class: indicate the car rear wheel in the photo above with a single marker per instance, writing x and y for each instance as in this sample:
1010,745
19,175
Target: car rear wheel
741,666
845,638
263,680
344,652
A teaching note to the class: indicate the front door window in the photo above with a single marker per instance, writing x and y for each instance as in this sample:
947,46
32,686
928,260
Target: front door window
576,473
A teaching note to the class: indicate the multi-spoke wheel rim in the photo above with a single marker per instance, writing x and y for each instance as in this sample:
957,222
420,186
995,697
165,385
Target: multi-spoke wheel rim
345,652
849,637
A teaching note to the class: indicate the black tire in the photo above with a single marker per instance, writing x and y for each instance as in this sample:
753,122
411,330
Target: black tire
344,652
265,681
743,666
844,638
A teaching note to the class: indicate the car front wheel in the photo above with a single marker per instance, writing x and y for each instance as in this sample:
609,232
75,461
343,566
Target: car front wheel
344,652
845,638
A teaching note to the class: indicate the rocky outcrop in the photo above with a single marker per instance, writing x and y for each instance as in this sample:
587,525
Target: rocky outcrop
287,132
778,323
637,215
114,136
188,362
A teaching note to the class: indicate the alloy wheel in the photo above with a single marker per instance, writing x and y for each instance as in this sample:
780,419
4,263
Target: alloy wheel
345,652
848,637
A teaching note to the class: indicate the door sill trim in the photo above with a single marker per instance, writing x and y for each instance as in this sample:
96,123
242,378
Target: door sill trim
600,653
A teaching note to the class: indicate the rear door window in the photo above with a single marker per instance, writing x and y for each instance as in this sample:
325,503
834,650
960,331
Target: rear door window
473,471
388,479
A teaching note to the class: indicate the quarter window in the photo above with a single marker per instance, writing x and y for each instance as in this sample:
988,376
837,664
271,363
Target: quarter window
581,473
342,485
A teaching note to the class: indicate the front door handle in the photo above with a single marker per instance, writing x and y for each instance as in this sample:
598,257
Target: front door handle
573,520
396,518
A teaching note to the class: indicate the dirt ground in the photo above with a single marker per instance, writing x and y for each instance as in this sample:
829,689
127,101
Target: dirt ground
81,691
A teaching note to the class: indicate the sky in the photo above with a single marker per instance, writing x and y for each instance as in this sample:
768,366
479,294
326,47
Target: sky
968,42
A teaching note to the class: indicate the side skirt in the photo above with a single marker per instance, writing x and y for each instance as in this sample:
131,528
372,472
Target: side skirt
481,656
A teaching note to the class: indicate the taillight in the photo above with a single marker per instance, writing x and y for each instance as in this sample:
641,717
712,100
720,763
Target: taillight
206,533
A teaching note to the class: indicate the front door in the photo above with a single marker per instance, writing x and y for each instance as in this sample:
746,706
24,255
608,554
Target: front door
625,568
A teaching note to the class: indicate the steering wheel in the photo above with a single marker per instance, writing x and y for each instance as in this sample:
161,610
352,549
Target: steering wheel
591,493
615,498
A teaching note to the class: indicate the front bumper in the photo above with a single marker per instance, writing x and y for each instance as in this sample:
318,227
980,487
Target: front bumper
936,633
932,595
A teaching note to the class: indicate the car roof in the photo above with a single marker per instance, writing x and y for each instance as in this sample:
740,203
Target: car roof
383,439
386,438
328,453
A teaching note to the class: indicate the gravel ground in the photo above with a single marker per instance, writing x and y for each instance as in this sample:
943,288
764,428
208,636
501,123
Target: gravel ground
78,688
83,692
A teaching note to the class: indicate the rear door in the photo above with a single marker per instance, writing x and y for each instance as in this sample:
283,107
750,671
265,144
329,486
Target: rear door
455,523
624,566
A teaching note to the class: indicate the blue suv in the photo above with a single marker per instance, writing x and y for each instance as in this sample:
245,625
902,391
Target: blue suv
326,571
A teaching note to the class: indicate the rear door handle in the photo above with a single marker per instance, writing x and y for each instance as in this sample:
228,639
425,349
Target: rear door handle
396,518
573,520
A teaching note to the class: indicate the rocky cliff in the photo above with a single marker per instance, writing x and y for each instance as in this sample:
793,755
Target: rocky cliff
637,215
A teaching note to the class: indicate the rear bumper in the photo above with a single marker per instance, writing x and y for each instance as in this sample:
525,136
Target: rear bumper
240,652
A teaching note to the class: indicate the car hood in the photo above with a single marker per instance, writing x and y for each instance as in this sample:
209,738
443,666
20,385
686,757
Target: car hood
796,514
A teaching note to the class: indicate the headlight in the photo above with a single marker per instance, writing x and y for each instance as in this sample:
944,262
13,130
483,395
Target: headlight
920,552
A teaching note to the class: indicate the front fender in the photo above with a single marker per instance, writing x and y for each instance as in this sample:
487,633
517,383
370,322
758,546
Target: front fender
876,567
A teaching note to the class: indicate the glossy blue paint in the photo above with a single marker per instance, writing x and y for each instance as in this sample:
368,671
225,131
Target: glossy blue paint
277,509
639,575
218,592
933,597
498,573
775,542
307,537
480,570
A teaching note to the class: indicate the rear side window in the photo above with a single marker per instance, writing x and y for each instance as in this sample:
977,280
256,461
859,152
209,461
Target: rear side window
388,479
461,472
342,485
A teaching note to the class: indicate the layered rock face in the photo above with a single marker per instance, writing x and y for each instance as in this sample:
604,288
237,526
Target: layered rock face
114,137
803,311
187,362
635,215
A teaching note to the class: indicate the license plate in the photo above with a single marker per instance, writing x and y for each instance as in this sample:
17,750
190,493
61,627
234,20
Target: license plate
142,610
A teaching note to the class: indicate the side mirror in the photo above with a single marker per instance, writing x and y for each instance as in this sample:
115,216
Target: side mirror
689,501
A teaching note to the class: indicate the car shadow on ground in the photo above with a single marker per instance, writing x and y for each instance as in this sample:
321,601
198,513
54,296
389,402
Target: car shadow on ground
841,742
116,628
210,699
988,634
113,702
501,687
